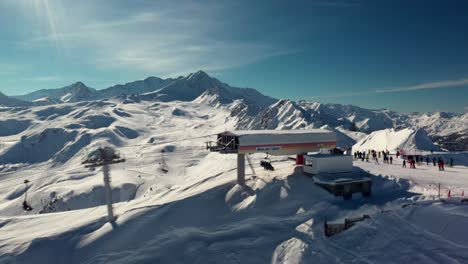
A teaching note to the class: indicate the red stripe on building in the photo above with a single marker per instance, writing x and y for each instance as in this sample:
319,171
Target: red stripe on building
289,146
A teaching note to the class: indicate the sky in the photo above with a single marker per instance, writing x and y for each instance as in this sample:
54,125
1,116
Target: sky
403,55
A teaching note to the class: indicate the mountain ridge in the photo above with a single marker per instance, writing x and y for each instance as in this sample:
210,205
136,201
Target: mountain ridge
254,110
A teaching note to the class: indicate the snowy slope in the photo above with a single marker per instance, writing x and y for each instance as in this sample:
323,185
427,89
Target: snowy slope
283,114
354,135
255,110
178,203
345,138
410,140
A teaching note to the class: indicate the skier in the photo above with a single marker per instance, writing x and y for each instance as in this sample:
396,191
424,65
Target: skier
391,160
427,161
434,161
451,163
404,163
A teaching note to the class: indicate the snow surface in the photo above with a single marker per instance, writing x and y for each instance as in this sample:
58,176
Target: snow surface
409,140
254,110
177,203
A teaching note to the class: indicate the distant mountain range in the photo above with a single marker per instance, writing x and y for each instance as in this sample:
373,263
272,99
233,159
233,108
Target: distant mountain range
253,110
13,102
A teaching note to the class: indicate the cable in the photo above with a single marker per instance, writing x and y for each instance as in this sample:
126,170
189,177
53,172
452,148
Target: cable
170,141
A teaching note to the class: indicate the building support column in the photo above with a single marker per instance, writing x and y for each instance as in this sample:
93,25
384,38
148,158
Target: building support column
241,169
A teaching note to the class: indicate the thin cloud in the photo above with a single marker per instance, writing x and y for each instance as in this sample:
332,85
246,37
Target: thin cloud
45,78
422,86
164,40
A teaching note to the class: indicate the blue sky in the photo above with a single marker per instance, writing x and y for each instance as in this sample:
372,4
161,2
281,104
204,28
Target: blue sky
403,55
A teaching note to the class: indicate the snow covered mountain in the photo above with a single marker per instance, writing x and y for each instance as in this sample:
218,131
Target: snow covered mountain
176,202
80,92
410,140
445,128
253,110
183,89
12,102
72,93
147,85
201,87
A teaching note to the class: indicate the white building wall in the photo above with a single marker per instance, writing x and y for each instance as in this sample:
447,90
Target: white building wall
315,164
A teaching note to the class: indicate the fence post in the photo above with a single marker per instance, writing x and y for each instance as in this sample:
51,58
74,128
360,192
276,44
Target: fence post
439,190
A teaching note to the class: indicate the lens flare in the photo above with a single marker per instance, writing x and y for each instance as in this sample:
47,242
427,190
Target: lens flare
46,11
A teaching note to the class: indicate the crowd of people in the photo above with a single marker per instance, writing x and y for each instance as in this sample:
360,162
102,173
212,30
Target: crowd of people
412,160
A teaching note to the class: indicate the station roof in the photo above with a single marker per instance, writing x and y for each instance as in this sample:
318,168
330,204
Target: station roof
277,132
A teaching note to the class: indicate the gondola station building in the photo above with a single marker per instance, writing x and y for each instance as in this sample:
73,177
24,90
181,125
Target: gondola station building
284,142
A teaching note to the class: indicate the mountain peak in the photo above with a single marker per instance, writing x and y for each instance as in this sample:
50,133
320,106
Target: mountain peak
80,86
152,78
198,75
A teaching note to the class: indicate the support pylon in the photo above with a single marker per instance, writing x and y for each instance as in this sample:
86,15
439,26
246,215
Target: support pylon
104,157
241,169
107,186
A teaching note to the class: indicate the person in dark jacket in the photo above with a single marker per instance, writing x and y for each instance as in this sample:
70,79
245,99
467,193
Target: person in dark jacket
404,163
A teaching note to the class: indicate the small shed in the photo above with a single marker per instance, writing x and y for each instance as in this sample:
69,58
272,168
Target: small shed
327,163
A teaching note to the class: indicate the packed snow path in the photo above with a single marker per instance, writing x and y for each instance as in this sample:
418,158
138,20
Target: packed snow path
425,179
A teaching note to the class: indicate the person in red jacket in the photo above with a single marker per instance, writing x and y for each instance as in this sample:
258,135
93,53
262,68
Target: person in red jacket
441,164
